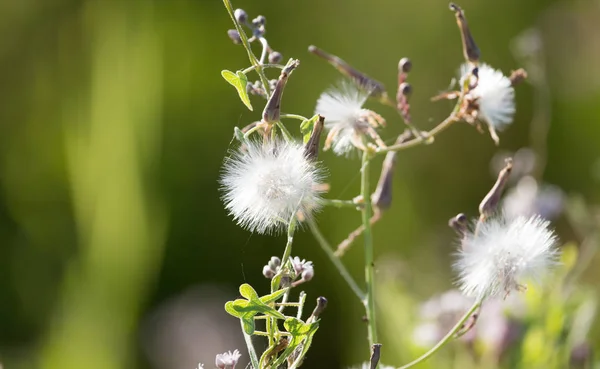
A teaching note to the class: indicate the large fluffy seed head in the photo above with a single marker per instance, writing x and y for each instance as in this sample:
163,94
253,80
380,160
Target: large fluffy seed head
494,94
265,184
504,254
344,116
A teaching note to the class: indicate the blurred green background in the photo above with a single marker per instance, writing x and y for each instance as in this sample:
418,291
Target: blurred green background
115,250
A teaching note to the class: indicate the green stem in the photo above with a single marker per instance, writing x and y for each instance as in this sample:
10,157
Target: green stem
288,136
418,141
264,66
293,116
367,211
255,63
335,260
340,203
251,352
446,338
301,302
290,239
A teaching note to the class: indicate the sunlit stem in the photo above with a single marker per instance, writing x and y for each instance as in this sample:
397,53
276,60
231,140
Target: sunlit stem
255,63
418,141
301,304
446,338
367,211
293,116
252,130
290,239
288,136
334,259
265,48
251,351
264,66
340,203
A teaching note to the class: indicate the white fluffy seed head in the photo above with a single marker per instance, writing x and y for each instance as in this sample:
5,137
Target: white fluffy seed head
504,254
344,116
269,182
494,94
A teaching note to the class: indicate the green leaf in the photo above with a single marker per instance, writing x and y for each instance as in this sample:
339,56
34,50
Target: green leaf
248,324
231,310
306,127
267,299
248,292
239,81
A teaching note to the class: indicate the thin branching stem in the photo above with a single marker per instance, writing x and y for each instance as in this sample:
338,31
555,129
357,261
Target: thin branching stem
418,141
340,203
264,66
293,116
335,260
367,211
447,338
253,60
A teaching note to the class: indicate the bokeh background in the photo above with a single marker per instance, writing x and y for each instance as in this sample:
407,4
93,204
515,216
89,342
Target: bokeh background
115,250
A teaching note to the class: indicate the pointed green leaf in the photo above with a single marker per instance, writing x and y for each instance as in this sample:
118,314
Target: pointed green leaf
267,299
267,310
239,81
248,324
248,292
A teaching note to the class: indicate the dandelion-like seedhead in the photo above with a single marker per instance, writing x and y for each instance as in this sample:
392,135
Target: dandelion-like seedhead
504,254
269,182
494,96
227,360
345,118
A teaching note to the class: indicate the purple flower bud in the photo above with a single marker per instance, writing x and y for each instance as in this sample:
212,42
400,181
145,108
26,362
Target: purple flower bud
259,21
240,15
234,35
268,272
308,274
275,57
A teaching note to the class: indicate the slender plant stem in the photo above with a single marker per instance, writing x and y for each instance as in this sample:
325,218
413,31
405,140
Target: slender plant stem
293,116
288,136
367,211
290,239
335,260
255,63
251,351
251,131
264,66
447,338
265,46
419,141
301,302
340,203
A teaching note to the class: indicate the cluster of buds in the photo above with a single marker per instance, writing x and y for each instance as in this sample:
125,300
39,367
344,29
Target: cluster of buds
257,27
301,270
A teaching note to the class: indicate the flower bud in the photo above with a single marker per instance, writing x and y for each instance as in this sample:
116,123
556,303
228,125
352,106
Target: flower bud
272,110
275,57
259,21
517,76
382,197
490,201
308,274
275,262
321,305
240,15
375,88
234,35
311,149
405,88
470,50
268,272
405,65
459,224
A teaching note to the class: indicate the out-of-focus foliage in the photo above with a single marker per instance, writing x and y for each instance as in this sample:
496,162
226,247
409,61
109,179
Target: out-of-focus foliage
115,250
